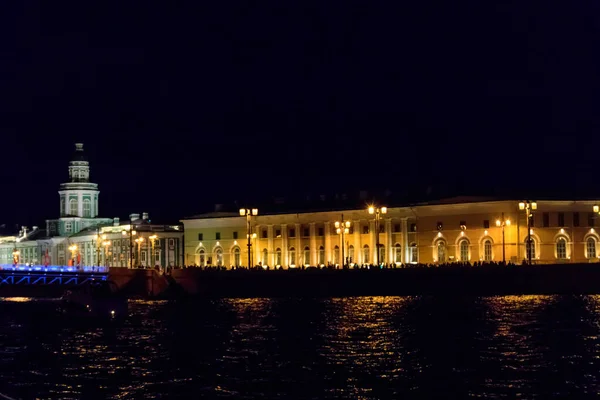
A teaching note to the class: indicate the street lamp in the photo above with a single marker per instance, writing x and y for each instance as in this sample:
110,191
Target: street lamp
342,228
528,207
248,213
377,211
503,222
152,258
132,233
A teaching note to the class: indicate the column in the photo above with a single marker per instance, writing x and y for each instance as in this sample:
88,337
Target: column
372,240
327,229
389,245
79,206
313,245
298,245
284,244
270,249
405,244
358,254
257,246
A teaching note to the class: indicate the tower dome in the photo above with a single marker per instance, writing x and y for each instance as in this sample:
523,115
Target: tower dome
78,196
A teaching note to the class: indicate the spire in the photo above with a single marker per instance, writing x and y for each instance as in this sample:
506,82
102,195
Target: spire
79,154
79,170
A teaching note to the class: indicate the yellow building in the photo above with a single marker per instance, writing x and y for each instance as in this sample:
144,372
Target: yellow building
458,230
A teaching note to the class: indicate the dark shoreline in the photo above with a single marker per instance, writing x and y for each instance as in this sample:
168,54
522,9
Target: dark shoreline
446,281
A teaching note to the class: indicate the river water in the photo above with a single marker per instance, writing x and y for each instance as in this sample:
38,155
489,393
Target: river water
343,348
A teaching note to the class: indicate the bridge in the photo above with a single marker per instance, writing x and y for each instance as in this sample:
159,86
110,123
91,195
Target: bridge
20,274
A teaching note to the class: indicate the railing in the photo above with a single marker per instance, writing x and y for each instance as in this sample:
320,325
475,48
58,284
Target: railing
52,268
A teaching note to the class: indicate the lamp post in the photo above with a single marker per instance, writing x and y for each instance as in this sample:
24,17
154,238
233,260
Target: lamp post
248,213
152,240
503,222
342,228
132,233
377,211
528,207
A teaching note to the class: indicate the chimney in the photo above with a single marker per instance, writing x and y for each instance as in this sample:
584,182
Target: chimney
145,216
23,231
116,221
133,217
34,228
218,207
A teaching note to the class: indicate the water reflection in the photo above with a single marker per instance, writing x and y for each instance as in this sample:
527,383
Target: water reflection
365,348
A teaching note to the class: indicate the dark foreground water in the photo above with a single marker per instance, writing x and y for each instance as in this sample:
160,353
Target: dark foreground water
348,348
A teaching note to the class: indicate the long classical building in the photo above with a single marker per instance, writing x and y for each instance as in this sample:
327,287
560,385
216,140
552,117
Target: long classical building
79,237
458,230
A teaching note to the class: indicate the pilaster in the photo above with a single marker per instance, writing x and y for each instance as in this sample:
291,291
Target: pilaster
405,244
270,249
358,254
388,240
372,240
327,230
313,245
284,244
298,246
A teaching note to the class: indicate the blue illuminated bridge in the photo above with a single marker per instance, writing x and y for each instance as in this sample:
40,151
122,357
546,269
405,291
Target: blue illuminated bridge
50,275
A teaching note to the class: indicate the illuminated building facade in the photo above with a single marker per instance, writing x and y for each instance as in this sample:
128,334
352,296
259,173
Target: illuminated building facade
79,237
458,230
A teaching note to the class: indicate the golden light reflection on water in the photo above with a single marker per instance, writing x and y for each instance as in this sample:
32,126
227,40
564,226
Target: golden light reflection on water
16,299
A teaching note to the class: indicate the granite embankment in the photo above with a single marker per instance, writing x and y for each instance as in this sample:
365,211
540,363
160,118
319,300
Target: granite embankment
490,280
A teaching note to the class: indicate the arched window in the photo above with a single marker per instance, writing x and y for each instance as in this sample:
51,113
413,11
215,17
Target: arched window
321,255
382,257
365,254
236,257
487,250
87,208
530,249
336,255
292,256
414,253
561,248
398,253
202,257
350,254
72,207
265,257
63,211
464,250
278,256
590,245
306,256
441,251
219,257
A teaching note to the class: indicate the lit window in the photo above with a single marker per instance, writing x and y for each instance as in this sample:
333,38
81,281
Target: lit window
441,251
306,256
321,255
219,256
530,248
591,247
292,256
87,208
236,257
72,207
398,253
202,257
366,254
382,259
487,250
561,249
464,250
336,255
278,256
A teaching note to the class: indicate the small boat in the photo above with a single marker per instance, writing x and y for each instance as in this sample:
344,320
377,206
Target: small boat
97,300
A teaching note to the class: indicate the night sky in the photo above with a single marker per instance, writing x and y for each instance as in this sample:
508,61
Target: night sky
184,106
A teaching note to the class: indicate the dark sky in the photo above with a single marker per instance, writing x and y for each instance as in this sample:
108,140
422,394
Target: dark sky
184,105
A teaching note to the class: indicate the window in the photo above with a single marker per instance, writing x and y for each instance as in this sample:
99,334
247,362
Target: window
439,226
171,242
530,248
62,206
561,219
487,250
68,227
366,254
398,253
350,254
321,255
87,208
218,235
72,207
591,247
546,219
464,250
591,219
292,256
321,232
382,257
336,255
486,223
575,219
414,253
306,255
219,256
441,251
278,233
561,248
306,232
265,257
278,256
292,233
235,235
365,229
202,257
143,257
413,227
200,237
397,228
236,257
263,234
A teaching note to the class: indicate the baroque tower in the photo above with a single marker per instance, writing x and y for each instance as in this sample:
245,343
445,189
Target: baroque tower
79,197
